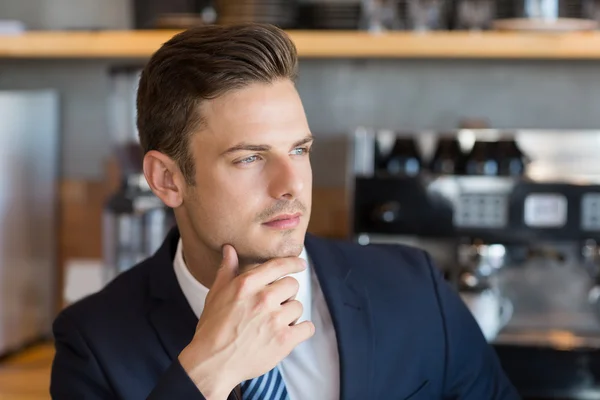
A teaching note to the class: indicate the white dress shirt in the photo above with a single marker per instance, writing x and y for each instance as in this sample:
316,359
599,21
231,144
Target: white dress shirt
311,370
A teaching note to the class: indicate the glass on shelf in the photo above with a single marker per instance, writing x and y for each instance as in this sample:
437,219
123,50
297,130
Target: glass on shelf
427,15
380,15
474,15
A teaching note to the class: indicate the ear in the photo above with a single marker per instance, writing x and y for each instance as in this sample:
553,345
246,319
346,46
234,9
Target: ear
164,177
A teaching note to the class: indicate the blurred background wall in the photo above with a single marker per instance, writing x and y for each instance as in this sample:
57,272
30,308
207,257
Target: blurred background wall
338,94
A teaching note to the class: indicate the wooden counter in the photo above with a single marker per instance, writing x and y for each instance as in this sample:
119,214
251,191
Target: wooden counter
26,376
321,44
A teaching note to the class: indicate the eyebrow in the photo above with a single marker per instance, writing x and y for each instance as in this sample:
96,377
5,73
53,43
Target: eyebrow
263,147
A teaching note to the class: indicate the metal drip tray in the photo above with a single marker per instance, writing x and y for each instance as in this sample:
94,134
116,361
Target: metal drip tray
556,339
551,300
584,322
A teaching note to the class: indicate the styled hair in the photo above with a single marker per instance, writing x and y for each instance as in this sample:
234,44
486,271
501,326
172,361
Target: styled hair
200,64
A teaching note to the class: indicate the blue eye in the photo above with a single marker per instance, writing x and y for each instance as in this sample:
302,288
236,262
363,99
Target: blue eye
300,151
248,160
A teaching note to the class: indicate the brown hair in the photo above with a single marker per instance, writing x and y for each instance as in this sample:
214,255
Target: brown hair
200,64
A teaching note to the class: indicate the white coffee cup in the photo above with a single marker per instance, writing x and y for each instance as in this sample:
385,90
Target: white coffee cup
491,311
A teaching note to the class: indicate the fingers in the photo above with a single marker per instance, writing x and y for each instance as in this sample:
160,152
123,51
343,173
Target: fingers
283,290
301,332
290,312
229,268
275,269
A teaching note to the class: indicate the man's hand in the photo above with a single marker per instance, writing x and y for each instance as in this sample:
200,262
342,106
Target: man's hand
247,326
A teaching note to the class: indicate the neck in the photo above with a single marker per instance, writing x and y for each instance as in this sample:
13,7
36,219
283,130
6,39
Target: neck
203,262
203,265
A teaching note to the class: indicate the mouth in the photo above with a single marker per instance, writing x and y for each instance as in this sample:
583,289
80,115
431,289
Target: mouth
284,221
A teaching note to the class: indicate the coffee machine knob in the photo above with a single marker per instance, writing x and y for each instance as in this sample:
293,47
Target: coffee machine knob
468,281
388,212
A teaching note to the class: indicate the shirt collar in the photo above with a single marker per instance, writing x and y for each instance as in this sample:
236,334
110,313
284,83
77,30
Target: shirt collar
195,292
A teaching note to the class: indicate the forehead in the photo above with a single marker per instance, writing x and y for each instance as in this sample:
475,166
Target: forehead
260,112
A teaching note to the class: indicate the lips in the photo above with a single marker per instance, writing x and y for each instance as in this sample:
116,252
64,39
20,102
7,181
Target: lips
284,221
283,217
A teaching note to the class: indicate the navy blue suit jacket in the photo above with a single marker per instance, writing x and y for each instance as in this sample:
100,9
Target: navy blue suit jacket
402,332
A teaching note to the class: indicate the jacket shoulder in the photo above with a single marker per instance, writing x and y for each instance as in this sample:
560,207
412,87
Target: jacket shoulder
381,256
121,298
379,266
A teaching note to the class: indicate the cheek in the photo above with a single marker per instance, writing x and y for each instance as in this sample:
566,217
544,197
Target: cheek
235,197
219,210
307,176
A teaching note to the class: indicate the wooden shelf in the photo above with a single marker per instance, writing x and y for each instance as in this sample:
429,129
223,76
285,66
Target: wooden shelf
321,44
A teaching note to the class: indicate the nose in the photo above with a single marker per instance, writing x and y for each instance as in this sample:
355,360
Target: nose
286,181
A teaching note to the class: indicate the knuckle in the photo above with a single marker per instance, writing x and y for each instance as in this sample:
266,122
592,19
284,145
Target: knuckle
245,284
283,337
264,298
259,307
275,321
263,301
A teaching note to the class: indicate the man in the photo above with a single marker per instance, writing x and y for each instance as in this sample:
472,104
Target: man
239,303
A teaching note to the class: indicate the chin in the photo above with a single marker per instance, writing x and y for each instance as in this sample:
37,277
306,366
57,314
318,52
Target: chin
288,243
276,244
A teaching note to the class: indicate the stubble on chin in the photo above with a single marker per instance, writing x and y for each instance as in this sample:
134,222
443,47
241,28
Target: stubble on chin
290,246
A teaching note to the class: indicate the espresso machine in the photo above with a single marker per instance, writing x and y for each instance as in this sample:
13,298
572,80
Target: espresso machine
512,218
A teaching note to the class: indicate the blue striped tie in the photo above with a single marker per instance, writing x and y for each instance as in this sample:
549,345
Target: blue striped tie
269,386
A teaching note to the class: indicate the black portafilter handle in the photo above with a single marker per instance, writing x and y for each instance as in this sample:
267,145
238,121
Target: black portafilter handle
388,212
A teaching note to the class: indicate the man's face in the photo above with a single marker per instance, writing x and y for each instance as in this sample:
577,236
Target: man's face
253,174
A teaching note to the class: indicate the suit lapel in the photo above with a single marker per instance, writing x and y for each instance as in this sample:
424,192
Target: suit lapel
175,327
171,315
348,303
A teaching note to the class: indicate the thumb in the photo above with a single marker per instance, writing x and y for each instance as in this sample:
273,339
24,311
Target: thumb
229,267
